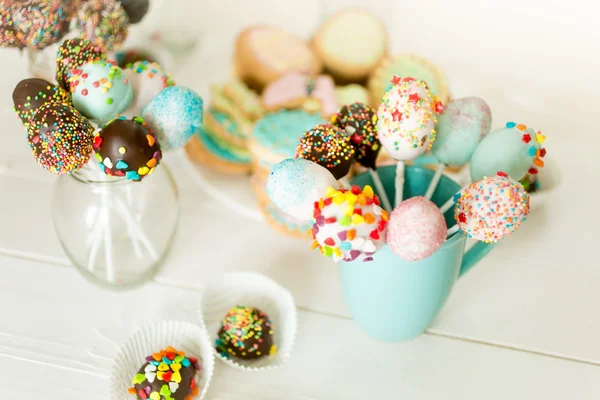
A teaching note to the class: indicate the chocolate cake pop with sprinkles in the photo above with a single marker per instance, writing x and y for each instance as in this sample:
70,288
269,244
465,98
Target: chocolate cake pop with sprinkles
104,22
73,53
136,9
40,23
359,121
60,138
167,374
327,145
247,333
127,148
30,94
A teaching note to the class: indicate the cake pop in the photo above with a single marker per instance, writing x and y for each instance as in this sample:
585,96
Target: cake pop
135,9
147,80
349,225
30,94
175,115
60,138
100,90
40,23
8,36
327,145
492,208
460,128
247,333
359,121
103,22
127,148
72,54
515,150
295,184
416,229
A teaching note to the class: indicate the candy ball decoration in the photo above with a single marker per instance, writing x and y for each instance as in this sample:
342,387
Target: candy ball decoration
40,23
492,208
247,333
8,36
147,80
135,9
295,184
407,118
175,114
416,229
127,148
349,225
515,150
103,22
73,53
100,90
30,94
168,373
60,138
327,145
460,128
359,121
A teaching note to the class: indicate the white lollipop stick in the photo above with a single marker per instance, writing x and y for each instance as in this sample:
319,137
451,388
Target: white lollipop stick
447,205
108,253
381,190
452,230
399,182
139,232
434,181
345,184
94,241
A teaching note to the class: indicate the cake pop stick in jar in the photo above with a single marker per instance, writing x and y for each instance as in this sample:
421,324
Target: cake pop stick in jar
492,208
359,121
406,123
461,126
349,225
295,184
327,145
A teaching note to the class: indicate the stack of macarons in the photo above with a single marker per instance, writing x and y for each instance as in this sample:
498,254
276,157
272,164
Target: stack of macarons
222,142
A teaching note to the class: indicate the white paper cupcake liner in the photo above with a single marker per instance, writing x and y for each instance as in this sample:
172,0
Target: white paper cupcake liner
183,336
251,290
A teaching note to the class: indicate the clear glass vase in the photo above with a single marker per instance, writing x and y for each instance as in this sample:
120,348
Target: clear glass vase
116,232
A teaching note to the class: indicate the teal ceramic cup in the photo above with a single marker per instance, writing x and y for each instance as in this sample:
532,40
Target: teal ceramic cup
392,299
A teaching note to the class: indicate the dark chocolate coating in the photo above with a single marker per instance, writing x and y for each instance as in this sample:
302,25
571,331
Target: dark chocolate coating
127,148
30,94
359,122
73,53
328,146
135,9
246,333
126,58
184,389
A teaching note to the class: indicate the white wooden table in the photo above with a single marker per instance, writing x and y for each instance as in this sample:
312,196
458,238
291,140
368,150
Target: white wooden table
524,324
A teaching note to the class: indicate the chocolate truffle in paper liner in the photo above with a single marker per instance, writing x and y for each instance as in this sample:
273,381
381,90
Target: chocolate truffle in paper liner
30,94
127,148
515,149
73,53
167,374
406,118
40,23
103,22
246,333
492,208
359,122
175,114
349,225
329,147
60,138
100,90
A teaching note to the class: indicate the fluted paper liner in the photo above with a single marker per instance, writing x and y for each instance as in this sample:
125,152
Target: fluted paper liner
182,336
251,290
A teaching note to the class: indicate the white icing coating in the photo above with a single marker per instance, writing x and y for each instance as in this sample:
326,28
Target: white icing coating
147,80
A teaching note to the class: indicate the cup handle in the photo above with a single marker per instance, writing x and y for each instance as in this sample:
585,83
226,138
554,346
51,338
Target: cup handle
474,255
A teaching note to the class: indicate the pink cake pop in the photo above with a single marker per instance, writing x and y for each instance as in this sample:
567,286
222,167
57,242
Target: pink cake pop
349,225
492,208
416,229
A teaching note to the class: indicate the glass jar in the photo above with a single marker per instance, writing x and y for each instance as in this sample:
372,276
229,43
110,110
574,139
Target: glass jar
116,232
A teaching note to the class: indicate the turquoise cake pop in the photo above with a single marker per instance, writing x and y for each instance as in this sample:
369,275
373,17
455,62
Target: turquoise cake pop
515,150
100,90
175,115
460,128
